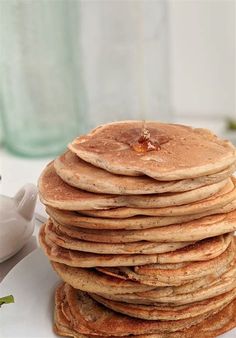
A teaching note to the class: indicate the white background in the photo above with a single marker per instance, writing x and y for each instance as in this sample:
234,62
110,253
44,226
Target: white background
202,58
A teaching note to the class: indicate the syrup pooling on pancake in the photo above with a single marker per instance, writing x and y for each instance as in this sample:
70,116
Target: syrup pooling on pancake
144,142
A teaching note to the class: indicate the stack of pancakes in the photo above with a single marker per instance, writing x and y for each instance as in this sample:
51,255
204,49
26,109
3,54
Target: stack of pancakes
140,229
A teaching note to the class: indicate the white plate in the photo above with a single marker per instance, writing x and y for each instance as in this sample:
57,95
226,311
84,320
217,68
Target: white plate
32,282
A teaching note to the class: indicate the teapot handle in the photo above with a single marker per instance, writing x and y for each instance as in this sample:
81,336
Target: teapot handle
25,200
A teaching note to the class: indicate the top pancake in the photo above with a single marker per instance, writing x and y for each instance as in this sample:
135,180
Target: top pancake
188,152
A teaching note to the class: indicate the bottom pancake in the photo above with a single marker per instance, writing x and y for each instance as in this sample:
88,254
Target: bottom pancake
93,320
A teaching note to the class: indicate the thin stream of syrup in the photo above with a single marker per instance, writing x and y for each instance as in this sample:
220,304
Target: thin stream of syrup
144,143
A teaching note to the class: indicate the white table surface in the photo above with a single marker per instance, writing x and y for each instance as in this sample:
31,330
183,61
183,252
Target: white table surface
15,172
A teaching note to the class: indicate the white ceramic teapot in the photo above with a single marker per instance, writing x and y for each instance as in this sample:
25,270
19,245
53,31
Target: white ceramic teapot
16,220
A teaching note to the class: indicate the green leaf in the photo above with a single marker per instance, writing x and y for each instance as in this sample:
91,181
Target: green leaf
231,124
6,300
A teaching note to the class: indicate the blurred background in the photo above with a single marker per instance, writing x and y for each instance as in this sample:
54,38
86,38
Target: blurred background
69,65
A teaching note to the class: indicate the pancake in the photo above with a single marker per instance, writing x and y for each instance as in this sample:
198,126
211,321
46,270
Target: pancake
200,251
169,273
141,247
80,174
226,195
185,153
165,312
201,289
84,259
196,230
164,293
90,280
56,193
175,273
73,218
113,282
209,328
84,311
218,286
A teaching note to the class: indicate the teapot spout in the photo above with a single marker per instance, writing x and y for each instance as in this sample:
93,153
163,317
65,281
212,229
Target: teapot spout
25,200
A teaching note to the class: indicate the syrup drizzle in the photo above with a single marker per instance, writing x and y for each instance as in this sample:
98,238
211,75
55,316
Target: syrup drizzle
145,143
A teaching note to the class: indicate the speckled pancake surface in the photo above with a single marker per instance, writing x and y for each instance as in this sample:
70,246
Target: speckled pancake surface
117,280
169,273
56,193
208,328
204,250
166,312
142,247
78,173
174,273
73,316
196,230
187,153
198,290
84,259
73,218
90,280
226,195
